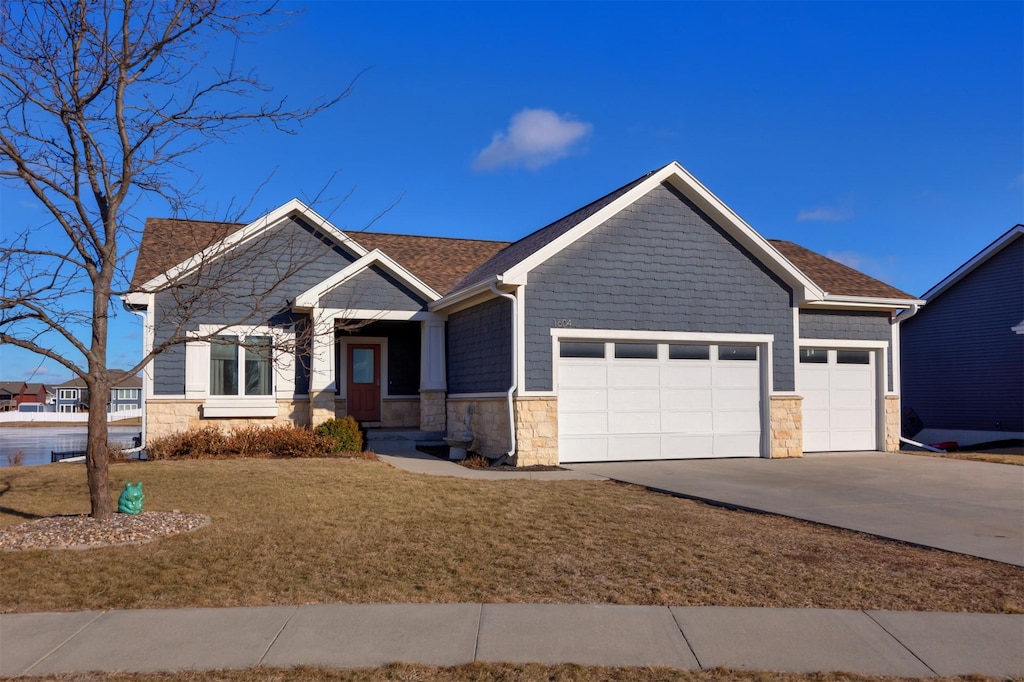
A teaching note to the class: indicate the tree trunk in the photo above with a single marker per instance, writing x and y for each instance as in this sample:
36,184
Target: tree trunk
96,453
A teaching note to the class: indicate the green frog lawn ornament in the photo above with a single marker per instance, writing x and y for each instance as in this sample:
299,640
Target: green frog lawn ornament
131,498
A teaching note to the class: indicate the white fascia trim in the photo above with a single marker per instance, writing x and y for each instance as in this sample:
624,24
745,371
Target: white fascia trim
682,180
854,302
841,343
311,296
973,263
137,299
641,335
371,314
463,296
251,231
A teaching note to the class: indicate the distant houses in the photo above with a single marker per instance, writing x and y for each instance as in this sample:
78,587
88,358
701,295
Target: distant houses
125,394
70,396
16,393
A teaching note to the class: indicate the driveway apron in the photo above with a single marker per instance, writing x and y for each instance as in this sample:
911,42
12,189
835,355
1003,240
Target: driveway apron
974,508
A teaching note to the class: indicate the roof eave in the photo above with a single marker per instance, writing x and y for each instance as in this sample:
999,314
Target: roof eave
865,302
971,265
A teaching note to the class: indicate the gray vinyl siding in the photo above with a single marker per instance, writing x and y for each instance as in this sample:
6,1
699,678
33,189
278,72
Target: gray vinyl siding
662,265
845,325
372,289
252,285
479,348
963,368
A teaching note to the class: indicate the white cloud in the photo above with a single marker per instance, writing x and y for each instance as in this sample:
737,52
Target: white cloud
535,138
827,214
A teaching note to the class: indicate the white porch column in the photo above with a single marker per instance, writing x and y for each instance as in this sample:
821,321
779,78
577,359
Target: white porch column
321,374
432,375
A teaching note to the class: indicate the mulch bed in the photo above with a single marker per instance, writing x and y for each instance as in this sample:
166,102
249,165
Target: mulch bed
85,532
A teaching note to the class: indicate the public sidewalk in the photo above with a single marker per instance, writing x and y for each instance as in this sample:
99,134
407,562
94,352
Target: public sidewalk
356,635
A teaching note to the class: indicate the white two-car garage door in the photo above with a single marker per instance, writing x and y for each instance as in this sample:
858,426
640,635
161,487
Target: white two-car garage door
840,404
633,400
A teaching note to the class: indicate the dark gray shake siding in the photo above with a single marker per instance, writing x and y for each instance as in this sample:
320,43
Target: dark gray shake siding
252,285
373,289
848,325
479,348
963,368
658,265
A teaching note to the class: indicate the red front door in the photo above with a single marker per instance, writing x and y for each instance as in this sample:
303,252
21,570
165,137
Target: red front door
364,382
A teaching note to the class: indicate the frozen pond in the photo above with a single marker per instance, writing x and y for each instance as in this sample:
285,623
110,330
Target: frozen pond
36,442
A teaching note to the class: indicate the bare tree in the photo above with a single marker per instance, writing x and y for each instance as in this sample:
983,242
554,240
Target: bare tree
101,101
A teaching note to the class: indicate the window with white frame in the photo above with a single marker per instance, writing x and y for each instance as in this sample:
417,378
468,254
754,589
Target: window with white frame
68,393
241,366
67,408
126,394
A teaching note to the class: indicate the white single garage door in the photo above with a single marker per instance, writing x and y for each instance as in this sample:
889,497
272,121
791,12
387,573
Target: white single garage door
839,406
622,401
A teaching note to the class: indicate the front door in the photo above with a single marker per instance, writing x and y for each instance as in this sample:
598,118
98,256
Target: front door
364,382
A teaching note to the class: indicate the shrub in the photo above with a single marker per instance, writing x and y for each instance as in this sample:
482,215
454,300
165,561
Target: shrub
343,433
208,441
276,440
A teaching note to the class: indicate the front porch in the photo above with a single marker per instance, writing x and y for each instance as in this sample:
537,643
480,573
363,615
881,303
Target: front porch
383,372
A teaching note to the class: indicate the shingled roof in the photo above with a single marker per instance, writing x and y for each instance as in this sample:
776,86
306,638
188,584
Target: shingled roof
448,264
535,241
834,277
169,241
438,261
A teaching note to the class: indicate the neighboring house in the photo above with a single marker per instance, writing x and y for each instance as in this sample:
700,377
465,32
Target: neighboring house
33,393
963,352
651,323
125,394
9,393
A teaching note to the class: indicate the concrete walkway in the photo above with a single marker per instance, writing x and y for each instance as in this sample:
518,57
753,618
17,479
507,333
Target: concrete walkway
974,508
357,635
402,456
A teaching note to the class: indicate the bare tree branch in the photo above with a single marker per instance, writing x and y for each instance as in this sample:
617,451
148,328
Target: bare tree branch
102,102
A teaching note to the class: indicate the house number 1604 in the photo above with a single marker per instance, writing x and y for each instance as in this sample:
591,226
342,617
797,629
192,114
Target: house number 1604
562,324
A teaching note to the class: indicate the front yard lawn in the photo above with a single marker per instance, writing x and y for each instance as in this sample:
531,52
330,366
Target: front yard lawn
347,531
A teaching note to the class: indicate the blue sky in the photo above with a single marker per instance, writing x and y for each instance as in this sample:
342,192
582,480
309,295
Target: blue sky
889,136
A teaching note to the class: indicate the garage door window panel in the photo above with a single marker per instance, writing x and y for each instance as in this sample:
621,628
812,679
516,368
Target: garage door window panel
686,351
853,357
581,349
813,356
636,351
745,353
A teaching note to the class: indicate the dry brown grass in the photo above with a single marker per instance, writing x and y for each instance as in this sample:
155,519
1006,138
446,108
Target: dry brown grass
353,531
996,457
485,672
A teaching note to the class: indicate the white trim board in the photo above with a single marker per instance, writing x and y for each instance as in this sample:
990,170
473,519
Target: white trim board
311,297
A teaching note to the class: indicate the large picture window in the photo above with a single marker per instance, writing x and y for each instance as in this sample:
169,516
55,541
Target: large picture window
248,360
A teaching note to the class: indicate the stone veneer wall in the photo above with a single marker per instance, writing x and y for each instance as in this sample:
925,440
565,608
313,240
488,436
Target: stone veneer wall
536,431
324,407
164,417
893,423
787,426
489,423
401,412
432,411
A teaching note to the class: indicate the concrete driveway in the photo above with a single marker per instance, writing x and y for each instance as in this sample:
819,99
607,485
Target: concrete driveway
974,508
